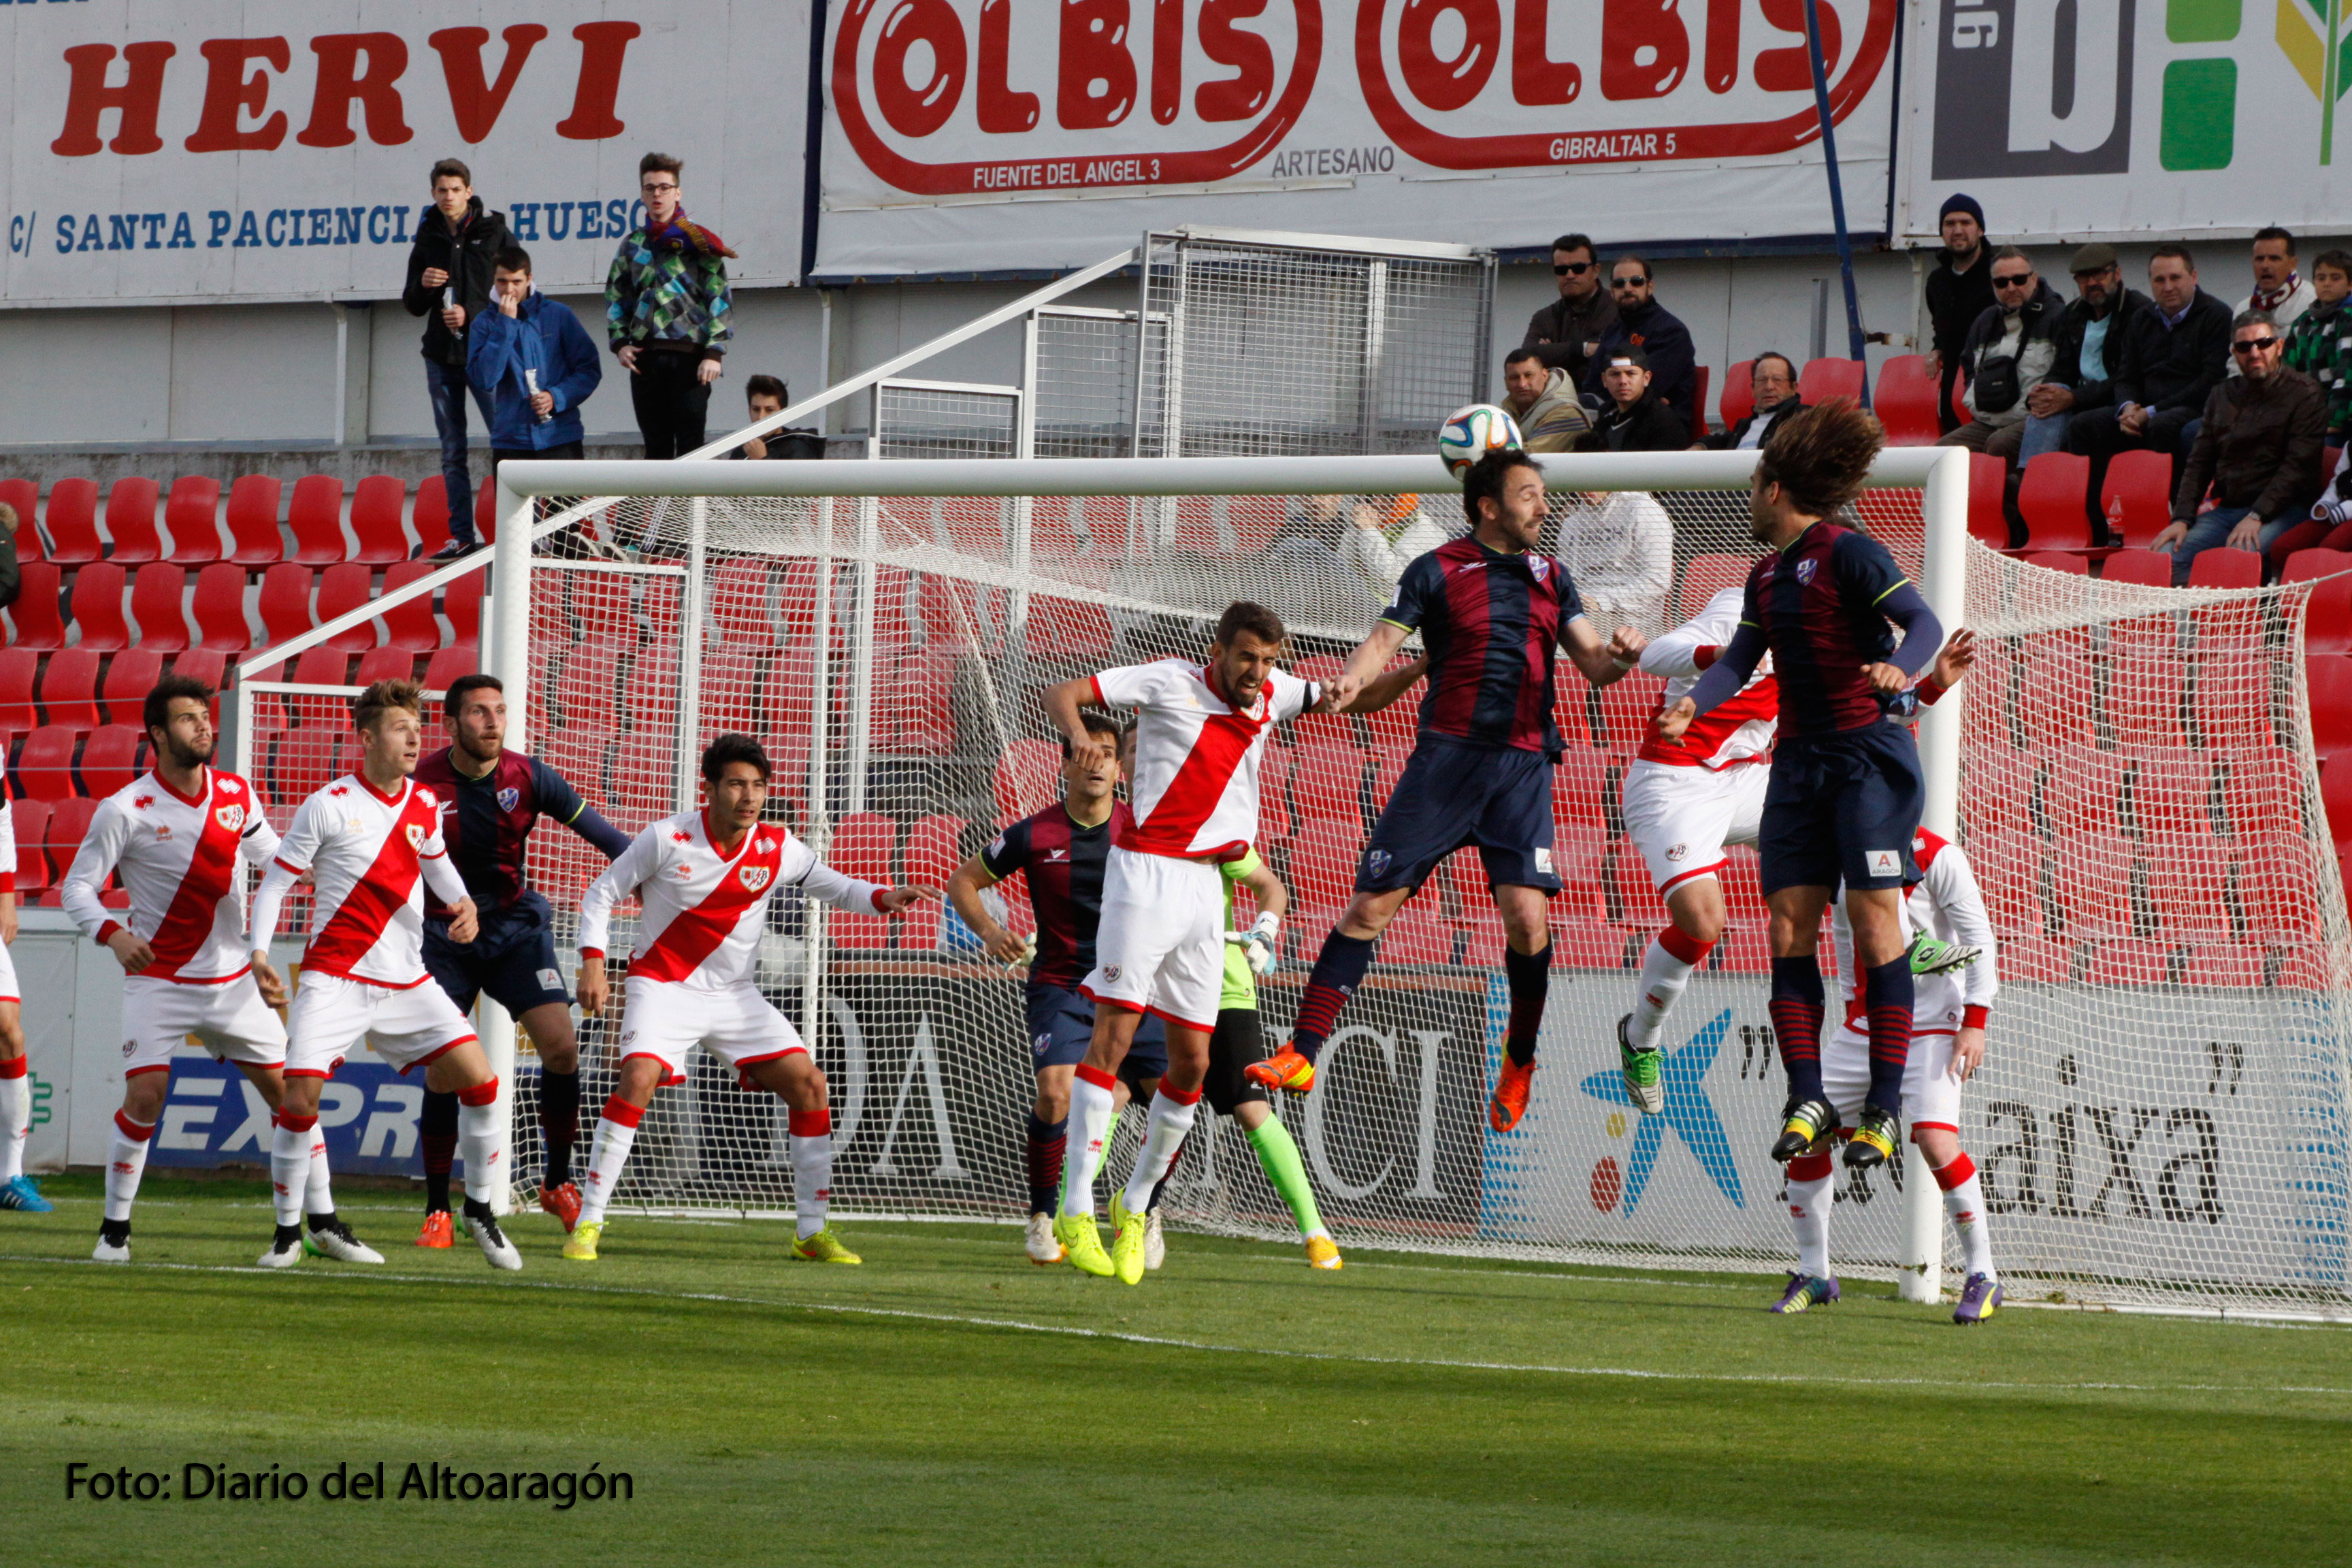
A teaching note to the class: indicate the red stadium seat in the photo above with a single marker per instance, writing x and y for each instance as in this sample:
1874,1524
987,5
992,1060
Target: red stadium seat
220,609
376,521
24,496
30,821
2226,568
97,607
861,848
2051,499
931,856
2129,962
1823,379
915,686
2327,624
2136,498
740,616
193,517
1905,401
448,663
158,596
1388,767
1579,790
1418,934
1327,780
343,588
1694,416
1707,575
486,511
33,617
253,539
2147,568
2057,560
1027,775
129,678
322,664
205,664
796,599
2310,565
316,516
1066,631
71,522
1323,855
1739,400
410,624
69,688
385,663
45,765
1988,509
286,603
19,671
2170,798
1628,705
461,601
130,523
2208,965
2329,680
110,759
428,516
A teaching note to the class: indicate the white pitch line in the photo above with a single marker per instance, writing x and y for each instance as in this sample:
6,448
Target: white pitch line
1018,1325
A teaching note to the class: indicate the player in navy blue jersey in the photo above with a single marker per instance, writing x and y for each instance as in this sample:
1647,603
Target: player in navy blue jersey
1493,613
1844,803
494,798
1062,851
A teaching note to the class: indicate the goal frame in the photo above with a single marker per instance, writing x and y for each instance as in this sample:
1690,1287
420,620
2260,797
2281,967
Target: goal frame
1939,473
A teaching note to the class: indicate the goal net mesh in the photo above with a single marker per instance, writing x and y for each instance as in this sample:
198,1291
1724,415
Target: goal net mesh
2159,1119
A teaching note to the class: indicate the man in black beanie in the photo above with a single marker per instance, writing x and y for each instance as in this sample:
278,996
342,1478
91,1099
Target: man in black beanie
1959,292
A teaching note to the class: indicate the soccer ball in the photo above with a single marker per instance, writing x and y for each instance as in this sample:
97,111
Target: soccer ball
1469,434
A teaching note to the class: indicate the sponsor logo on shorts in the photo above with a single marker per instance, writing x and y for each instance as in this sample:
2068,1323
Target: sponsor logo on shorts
1376,863
129,1048
508,798
1111,971
1041,1045
1543,861
754,877
628,1040
1678,853
1884,862
1805,570
230,816
549,980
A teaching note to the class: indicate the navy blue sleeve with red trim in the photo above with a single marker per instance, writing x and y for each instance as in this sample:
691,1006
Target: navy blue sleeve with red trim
1421,587
559,800
1008,852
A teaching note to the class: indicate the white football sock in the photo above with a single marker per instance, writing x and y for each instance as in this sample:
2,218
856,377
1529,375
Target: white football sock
478,1140
1964,1201
15,1121
126,1161
1089,1136
811,1136
319,1189
1163,1135
1809,1216
1664,977
616,1130
290,1166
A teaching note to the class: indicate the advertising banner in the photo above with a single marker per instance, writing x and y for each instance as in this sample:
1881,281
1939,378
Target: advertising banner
980,135
2074,119
172,151
215,1117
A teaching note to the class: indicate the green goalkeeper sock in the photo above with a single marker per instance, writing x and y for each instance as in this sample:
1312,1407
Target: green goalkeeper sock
1280,1155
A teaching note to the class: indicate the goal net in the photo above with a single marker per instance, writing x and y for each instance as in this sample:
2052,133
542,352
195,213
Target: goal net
2160,1118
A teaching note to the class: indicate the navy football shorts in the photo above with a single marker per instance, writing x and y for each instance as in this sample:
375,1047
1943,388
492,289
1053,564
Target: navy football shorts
1842,808
513,959
1452,795
1062,1025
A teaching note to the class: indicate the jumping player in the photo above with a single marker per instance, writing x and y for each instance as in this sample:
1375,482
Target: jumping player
370,842
174,835
1199,739
1844,796
1063,851
492,798
1491,611
17,1189
1948,1046
706,878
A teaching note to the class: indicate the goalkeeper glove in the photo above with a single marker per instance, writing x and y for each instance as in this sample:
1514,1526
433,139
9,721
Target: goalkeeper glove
1258,944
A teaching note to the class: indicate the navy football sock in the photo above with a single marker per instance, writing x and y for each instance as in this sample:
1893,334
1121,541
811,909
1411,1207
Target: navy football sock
1889,994
1047,1140
1530,974
1339,970
1797,1001
436,1132
559,1122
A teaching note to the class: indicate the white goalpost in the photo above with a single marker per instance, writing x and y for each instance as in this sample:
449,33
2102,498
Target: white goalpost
2161,1117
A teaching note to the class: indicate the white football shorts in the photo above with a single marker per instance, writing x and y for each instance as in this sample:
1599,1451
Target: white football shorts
1681,818
230,1020
1931,1095
1160,948
8,992
663,1020
332,1015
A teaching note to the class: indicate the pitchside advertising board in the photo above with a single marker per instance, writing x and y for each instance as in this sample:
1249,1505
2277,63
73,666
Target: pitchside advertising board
169,150
2126,118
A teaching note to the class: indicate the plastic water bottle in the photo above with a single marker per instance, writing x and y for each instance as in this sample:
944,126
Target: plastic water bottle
449,302
531,381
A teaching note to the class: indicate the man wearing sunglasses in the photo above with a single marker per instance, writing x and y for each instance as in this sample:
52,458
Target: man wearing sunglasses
2258,447
1643,323
1565,333
2174,354
2007,355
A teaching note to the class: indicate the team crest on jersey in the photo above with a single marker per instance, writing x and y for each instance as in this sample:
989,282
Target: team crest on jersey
230,816
1676,853
508,798
996,844
1805,570
415,836
1376,863
754,877
1541,566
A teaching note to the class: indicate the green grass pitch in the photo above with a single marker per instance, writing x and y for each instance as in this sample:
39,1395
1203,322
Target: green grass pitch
949,1404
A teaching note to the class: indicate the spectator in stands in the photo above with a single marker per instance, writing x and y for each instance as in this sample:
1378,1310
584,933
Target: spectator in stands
2329,527
2007,354
450,266
1388,533
535,363
1643,323
1634,420
2279,290
2172,354
2089,338
1565,333
1959,292
2258,446
12,581
668,312
1544,400
1772,378
764,396
1619,546
2320,344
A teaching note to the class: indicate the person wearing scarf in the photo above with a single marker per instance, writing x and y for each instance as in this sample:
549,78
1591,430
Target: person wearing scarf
668,313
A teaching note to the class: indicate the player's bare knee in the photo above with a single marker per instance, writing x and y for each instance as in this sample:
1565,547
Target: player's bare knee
1252,1114
12,1033
143,1096
639,1077
1941,1146
1368,913
302,1096
268,1083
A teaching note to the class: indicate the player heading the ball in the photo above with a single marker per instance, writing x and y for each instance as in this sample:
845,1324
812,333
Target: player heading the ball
1493,611
1844,797
371,843
1160,947
706,878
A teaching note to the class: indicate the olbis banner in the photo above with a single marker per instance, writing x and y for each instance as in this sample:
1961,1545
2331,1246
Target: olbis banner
966,134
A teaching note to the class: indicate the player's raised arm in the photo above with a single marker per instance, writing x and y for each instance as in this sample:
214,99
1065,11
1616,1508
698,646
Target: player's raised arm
1344,692
559,801
639,862
1062,705
802,868
1601,663
1388,685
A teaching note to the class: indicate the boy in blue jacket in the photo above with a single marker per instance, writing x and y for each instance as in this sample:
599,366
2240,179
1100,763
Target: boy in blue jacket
535,362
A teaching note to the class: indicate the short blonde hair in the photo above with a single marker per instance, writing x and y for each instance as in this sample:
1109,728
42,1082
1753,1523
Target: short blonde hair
370,707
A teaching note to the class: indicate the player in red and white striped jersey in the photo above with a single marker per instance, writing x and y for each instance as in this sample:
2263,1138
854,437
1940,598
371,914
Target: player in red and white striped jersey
1160,947
17,1189
705,880
176,836
370,842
